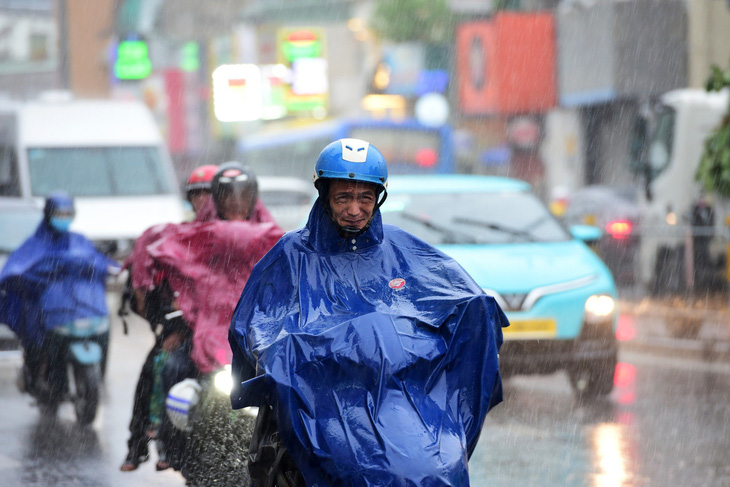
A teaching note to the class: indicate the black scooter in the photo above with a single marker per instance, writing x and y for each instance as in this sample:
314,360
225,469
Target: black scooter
68,368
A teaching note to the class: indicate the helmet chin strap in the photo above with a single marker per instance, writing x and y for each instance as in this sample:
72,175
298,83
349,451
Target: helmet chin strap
348,231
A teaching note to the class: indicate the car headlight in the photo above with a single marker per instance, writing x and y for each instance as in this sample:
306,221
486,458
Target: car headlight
223,380
599,307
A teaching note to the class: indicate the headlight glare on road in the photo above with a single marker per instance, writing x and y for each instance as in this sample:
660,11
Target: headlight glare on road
223,380
599,307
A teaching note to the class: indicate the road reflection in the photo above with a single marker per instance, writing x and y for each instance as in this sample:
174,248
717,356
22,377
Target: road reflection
59,453
609,444
624,382
612,444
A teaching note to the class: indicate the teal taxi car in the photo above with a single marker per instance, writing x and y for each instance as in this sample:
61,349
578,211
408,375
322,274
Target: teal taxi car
557,293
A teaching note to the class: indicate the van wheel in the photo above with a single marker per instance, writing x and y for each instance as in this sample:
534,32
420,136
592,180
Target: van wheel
593,379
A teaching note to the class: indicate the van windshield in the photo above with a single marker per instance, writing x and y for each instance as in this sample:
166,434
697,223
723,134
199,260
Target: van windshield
97,171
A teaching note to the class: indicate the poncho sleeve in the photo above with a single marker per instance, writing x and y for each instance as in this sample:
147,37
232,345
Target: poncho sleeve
268,300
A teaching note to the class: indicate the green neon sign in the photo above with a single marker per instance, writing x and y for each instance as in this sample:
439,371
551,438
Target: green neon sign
133,61
301,44
190,60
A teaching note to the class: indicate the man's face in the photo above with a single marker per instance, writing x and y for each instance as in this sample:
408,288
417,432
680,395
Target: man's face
352,203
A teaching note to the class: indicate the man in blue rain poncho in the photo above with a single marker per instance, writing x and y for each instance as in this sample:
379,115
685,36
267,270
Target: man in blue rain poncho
54,277
377,352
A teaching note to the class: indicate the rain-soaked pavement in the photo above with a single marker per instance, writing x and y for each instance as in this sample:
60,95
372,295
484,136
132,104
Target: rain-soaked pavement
58,453
667,423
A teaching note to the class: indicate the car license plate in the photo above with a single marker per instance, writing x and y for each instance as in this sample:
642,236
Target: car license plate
530,329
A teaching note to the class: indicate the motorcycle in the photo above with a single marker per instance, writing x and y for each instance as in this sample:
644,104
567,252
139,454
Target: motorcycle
70,368
217,437
53,297
228,446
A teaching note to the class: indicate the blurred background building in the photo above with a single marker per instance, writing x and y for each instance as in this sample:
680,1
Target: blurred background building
543,90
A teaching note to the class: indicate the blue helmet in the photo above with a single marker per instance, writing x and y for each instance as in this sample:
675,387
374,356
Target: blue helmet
59,211
351,160
58,202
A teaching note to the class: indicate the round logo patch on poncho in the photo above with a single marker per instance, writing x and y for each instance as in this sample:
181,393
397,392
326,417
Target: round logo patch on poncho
397,283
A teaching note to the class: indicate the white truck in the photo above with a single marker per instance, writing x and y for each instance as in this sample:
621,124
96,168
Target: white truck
683,229
109,155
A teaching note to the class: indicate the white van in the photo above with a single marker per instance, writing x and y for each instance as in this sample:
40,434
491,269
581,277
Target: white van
109,155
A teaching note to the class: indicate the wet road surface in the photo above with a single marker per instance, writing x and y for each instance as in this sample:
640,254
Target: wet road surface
667,423
56,452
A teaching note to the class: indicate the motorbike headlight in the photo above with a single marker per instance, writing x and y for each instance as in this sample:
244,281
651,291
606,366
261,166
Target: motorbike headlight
223,380
599,307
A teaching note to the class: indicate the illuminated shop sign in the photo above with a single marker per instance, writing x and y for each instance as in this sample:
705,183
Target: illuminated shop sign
274,86
301,44
133,60
189,56
302,52
506,65
237,93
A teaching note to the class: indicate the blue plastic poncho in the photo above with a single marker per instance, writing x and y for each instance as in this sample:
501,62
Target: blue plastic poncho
378,354
52,279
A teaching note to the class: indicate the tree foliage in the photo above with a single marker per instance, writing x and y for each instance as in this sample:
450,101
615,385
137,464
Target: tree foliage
714,169
428,21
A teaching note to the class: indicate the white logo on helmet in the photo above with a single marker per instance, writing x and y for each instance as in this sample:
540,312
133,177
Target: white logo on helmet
354,150
240,177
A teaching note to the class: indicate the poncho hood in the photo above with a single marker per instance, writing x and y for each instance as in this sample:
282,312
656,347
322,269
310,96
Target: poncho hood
378,354
321,235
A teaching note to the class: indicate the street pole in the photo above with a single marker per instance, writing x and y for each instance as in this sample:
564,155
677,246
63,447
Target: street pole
63,44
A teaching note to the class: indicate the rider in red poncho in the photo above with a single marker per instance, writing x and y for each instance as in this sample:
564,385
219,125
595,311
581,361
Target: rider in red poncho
150,297
206,265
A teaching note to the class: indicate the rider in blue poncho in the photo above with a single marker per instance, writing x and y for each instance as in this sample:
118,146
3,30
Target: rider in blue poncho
54,277
376,351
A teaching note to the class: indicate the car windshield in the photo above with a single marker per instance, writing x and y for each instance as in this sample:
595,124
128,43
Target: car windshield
97,171
469,218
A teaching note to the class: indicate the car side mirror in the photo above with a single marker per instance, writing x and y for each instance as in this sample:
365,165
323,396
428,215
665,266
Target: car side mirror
587,233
